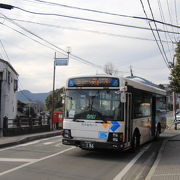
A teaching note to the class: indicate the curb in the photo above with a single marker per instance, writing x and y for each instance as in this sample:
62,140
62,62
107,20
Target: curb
30,138
156,162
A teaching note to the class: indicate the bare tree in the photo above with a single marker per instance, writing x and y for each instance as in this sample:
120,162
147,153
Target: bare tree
110,69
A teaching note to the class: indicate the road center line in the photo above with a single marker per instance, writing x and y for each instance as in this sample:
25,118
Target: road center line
33,162
130,164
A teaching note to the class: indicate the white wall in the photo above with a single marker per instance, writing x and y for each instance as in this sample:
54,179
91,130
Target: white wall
8,94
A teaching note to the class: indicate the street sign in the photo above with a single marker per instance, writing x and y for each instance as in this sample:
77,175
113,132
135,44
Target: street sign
61,61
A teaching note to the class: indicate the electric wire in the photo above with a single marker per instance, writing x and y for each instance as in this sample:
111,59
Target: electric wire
164,27
104,12
56,47
142,4
86,30
4,50
170,17
176,16
166,59
87,19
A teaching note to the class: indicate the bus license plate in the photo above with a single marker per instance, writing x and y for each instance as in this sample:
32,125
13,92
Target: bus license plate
88,145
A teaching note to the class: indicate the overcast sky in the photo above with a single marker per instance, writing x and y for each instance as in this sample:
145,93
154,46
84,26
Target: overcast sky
98,43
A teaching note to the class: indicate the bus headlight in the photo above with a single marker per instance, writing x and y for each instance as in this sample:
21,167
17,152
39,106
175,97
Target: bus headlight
115,137
67,133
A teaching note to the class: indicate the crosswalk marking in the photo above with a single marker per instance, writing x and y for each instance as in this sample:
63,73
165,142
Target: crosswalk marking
48,143
35,161
17,160
29,143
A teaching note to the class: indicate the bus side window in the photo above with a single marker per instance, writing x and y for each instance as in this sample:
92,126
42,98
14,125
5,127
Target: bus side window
142,106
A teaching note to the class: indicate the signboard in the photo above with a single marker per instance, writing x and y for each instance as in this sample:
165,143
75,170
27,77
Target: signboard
94,82
61,61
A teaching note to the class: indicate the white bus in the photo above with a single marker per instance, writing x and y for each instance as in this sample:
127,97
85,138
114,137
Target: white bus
112,112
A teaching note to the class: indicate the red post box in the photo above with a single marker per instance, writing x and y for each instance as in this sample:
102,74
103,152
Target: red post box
58,118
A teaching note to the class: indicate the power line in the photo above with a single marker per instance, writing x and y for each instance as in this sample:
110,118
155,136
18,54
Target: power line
4,50
170,17
166,59
154,35
85,30
107,13
56,47
86,19
164,27
175,7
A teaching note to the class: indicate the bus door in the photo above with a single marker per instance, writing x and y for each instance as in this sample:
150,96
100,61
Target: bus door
128,117
153,123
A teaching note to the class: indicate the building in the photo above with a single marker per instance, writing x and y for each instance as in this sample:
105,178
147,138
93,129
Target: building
8,88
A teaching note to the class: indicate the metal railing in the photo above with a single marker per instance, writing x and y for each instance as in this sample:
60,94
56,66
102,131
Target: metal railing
24,125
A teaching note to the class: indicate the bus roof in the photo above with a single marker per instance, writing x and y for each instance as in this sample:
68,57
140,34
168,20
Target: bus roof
143,85
135,82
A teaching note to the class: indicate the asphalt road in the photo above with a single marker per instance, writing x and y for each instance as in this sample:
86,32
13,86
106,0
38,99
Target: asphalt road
48,159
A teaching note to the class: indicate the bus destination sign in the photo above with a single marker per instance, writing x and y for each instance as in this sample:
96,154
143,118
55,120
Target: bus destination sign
94,82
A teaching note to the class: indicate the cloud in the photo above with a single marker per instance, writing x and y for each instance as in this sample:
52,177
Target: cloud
34,62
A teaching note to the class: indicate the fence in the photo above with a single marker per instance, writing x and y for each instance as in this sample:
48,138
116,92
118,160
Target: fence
25,125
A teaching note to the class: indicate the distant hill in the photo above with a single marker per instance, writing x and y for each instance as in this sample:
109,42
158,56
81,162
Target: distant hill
27,96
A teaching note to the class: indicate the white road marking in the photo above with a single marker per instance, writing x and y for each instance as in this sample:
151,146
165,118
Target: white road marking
17,160
29,143
130,164
52,142
38,160
58,145
48,143
13,147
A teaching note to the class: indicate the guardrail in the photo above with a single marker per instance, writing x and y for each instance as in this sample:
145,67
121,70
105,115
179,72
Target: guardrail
25,125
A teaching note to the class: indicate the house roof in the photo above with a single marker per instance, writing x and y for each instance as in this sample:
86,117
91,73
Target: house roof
7,63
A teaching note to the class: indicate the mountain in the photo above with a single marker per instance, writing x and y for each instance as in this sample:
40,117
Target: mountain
27,96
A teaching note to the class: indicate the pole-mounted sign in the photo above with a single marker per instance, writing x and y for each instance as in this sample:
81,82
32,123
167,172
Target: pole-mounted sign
57,62
61,61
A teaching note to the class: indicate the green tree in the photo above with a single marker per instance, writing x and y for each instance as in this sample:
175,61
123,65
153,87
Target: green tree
58,100
175,72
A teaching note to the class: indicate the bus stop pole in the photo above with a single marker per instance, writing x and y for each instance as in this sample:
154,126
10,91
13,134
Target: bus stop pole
54,79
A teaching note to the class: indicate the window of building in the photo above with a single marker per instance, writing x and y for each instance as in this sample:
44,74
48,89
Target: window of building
15,85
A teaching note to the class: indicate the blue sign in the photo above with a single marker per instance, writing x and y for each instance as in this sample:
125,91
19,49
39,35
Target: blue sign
61,61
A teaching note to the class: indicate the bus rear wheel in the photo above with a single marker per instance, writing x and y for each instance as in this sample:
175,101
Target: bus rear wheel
135,141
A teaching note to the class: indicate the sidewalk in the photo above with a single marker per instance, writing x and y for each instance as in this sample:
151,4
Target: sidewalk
167,164
15,140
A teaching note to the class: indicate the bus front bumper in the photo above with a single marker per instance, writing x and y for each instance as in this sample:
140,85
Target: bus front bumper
93,144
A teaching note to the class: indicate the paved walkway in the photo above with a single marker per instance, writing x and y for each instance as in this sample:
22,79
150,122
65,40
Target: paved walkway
167,164
14,140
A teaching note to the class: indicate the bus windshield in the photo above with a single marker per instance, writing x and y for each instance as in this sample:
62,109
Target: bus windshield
93,104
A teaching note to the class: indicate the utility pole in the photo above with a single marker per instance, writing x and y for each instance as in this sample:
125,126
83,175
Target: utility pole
174,109
53,101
